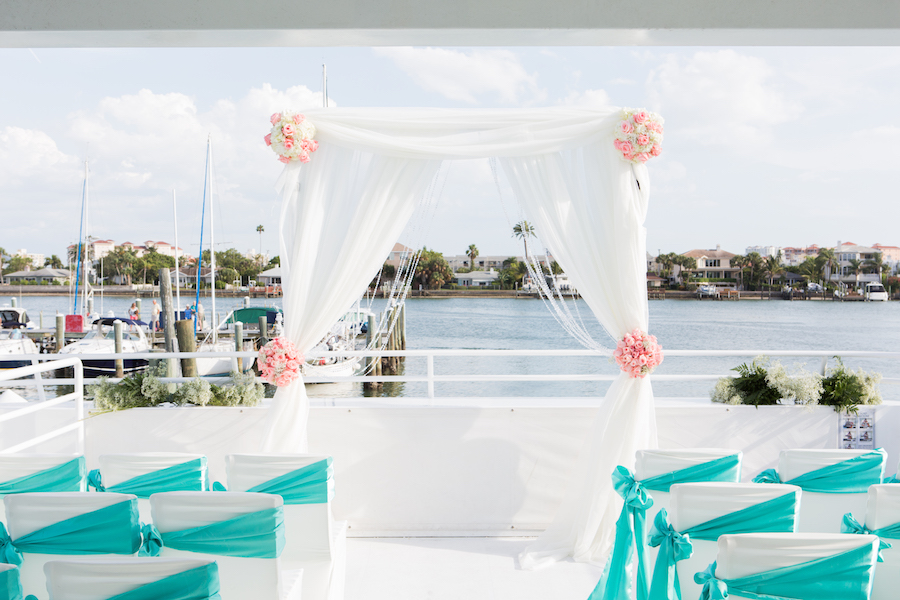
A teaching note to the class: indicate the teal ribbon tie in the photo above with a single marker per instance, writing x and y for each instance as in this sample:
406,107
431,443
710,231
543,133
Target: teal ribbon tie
851,525
727,468
312,484
845,576
775,515
892,479
851,476
615,584
65,477
201,583
10,585
218,487
254,535
110,530
188,476
151,541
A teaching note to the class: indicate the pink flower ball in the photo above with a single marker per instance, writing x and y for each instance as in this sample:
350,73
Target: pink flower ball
275,118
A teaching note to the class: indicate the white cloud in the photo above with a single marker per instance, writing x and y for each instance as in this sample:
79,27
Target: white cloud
464,76
587,98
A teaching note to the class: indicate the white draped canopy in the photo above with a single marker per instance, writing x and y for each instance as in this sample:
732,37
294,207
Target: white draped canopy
343,211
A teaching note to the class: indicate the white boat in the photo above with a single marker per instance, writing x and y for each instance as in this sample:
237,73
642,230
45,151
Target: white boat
706,290
341,338
13,341
875,292
12,317
101,339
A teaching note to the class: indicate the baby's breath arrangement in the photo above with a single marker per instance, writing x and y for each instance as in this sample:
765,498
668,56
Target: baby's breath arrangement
766,382
146,389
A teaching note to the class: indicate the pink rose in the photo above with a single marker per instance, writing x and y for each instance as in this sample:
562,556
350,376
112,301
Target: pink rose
268,139
655,151
275,118
284,159
288,144
298,119
626,127
643,139
304,156
640,117
626,149
288,129
642,156
313,145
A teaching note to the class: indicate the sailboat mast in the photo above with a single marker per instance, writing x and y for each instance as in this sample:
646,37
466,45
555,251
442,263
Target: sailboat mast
212,247
80,238
177,266
87,243
202,219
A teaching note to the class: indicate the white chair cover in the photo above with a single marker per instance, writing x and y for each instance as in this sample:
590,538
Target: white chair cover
696,503
26,513
312,541
118,468
13,466
650,463
883,510
101,578
239,578
820,512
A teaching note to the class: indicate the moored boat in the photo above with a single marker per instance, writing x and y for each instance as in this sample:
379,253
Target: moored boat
101,340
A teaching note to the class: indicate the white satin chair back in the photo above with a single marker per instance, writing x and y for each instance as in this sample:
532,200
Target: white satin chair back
14,466
102,578
27,513
695,503
821,512
650,463
883,510
240,578
119,468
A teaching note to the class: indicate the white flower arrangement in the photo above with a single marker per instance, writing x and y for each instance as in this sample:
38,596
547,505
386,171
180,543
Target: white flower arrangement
639,135
292,137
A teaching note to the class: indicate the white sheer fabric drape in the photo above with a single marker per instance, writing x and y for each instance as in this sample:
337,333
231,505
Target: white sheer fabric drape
360,188
340,217
588,206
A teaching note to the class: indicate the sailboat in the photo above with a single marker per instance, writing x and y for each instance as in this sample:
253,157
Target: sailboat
210,367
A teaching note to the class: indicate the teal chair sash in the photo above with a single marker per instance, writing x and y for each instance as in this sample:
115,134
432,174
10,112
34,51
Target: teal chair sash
254,535
892,479
201,583
114,529
188,476
312,484
11,586
65,477
727,468
845,576
851,525
615,584
851,476
772,516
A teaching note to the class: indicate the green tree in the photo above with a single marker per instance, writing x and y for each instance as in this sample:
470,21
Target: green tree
17,263
828,262
773,268
555,268
227,274
432,270
523,230
856,266
120,263
512,271
53,262
151,262
472,253
274,262
259,230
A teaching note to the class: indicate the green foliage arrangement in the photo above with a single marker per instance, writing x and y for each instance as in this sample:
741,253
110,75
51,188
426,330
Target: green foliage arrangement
146,389
764,382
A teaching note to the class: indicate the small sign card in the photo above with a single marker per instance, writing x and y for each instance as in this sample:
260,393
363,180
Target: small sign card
857,431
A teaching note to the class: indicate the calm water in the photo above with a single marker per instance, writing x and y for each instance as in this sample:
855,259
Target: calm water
679,324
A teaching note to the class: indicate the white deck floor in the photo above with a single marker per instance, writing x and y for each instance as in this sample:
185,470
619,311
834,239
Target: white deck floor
457,569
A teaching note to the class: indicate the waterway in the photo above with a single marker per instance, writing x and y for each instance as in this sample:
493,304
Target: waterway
505,323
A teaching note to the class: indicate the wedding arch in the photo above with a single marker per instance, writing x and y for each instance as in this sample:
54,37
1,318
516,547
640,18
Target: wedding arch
350,193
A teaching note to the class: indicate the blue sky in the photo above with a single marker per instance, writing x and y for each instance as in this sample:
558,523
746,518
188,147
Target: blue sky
782,146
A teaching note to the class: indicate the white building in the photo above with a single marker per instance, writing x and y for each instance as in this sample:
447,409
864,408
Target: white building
764,251
846,273
37,260
477,278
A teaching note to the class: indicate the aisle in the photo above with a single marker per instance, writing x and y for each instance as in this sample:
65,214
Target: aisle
457,569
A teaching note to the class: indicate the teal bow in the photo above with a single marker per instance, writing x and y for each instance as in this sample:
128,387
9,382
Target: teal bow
768,476
851,525
8,552
66,477
151,541
615,584
851,476
95,480
892,479
713,588
673,547
218,487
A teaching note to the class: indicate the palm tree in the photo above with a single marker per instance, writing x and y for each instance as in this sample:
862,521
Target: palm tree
856,266
472,253
740,262
829,262
523,230
53,262
259,230
773,268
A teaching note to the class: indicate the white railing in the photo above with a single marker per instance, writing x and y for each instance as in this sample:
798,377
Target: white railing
430,377
77,395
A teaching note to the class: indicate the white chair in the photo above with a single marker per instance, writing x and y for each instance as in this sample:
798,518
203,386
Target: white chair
653,463
750,554
22,473
28,514
144,474
883,510
10,586
313,542
240,577
694,504
100,579
823,512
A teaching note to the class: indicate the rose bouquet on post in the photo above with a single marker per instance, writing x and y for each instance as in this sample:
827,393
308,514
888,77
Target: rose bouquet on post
638,354
291,137
639,135
279,362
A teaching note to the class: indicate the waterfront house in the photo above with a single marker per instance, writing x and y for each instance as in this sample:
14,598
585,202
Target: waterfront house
269,277
41,276
398,253
889,254
713,264
792,257
476,278
655,281
846,274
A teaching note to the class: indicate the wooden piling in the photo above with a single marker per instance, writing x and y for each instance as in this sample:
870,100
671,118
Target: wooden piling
184,332
168,310
263,331
118,329
239,344
60,332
